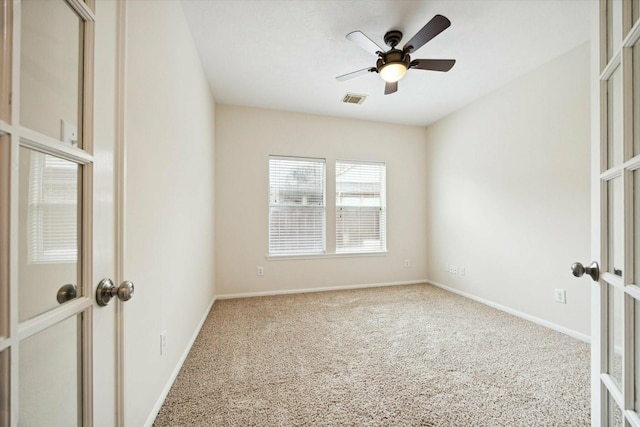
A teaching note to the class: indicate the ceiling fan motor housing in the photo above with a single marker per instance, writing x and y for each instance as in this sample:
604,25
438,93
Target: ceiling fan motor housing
394,55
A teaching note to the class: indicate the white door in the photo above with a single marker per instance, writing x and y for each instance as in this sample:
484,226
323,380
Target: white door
57,213
616,213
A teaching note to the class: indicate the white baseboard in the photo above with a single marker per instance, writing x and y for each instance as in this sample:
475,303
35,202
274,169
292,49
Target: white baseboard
176,371
330,288
541,322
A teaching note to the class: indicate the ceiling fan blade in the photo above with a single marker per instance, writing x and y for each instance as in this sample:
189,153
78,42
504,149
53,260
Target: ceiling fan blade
390,88
364,42
354,74
434,27
433,64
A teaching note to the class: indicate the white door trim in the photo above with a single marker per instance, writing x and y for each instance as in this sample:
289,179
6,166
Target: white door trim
120,198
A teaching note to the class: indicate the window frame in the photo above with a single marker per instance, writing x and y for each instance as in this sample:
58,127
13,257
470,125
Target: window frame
322,208
382,208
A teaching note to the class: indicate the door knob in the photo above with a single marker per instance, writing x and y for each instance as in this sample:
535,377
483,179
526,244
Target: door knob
125,290
67,293
579,270
107,290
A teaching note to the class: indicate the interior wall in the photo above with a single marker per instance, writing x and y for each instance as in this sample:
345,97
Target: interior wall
245,137
169,212
508,193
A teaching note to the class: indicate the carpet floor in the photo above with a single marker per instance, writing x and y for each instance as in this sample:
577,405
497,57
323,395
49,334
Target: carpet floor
396,356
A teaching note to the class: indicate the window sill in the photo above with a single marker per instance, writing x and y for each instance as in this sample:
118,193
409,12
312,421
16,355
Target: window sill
325,256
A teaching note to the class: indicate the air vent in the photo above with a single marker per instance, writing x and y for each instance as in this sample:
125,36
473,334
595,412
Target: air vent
353,98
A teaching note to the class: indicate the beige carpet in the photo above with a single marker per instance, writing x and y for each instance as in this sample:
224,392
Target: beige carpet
396,356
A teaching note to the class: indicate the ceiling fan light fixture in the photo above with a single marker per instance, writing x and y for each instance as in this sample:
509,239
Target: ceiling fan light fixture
393,64
393,71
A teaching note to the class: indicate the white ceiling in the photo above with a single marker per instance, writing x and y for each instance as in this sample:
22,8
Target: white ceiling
285,54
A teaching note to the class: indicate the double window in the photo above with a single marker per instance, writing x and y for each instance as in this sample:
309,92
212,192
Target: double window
297,206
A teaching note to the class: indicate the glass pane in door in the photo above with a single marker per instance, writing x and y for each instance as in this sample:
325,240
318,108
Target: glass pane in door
616,226
5,189
636,227
4,387
48,232
614,119
50,377
50,69
636,97
5,66
636,313
614,27
615,347
616,419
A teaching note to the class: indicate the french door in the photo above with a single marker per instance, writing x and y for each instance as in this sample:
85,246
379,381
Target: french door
56,218
616,214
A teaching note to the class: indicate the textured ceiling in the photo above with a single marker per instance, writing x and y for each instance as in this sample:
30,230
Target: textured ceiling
285,54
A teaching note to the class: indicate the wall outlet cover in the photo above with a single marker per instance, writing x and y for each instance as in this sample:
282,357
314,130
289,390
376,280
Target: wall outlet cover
163,342
561,296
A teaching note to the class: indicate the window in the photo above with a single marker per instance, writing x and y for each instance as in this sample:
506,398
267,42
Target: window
360,207
53,209
296,205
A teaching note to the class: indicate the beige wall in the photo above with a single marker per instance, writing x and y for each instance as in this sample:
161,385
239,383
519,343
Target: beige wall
508,193
245,137
169,212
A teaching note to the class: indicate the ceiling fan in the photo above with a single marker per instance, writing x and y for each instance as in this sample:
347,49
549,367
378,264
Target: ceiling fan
394,63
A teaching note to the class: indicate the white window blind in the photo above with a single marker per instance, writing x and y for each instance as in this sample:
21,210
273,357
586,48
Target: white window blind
360,207
53,210
296,205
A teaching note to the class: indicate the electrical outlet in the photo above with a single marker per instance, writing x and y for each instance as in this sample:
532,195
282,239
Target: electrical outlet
163,342
407,263
453,269
260,271
561,296
462,271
